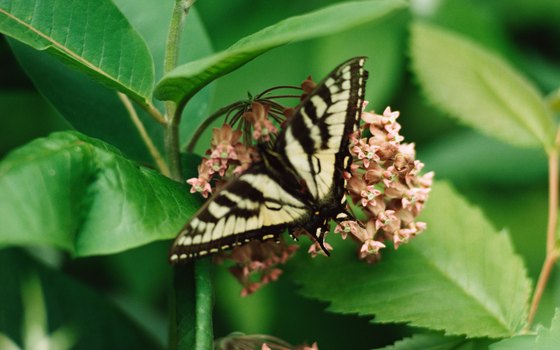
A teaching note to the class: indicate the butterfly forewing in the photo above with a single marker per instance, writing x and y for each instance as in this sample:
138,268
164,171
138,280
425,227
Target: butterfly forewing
316,140
290,189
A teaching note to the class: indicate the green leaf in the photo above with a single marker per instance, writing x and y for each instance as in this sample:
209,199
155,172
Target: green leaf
91,35
546,338
460,266
7,344
82,195
518,342
95,109
90,320
549,338
479,88
25,116
184,81
431,342
88,107
479,23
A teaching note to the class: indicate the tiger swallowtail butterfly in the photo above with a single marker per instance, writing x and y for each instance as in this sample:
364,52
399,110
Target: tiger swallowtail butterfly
297,184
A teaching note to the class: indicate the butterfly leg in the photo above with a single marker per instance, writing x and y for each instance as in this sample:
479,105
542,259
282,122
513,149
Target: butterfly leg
320,233
295,233
318,236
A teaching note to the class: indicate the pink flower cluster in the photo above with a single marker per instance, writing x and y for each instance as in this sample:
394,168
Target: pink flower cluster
281,347
256,263
226,153
385,182
238,341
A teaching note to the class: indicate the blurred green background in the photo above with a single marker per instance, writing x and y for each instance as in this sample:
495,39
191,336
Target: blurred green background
509,184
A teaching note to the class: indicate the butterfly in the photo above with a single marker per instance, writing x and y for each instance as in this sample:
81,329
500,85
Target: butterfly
298,182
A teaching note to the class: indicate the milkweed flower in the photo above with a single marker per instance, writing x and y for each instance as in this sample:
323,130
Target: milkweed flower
262,125
315,249
386,182
201,183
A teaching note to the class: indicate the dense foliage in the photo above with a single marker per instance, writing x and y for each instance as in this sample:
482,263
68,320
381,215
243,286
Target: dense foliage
96,115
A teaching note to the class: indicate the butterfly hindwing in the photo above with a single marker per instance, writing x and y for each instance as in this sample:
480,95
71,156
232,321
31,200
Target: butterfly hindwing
252,206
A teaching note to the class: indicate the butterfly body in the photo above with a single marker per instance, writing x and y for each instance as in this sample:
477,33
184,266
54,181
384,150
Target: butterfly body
297,184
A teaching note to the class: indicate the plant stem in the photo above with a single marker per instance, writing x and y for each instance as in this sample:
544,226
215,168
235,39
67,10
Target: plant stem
180,11
203,332
552,200
158,159
204,338
172,149
552,253
549,262
172,114
183,308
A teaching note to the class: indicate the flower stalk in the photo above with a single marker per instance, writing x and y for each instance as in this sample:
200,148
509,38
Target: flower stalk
238,105
206,124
